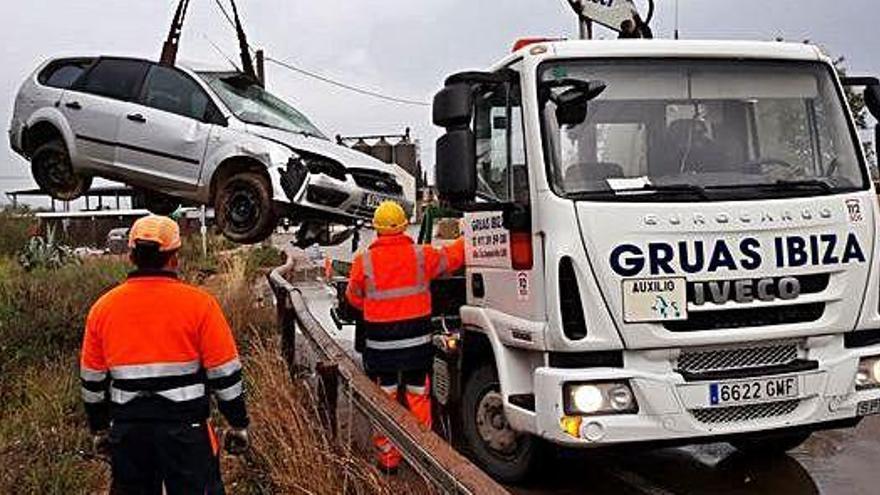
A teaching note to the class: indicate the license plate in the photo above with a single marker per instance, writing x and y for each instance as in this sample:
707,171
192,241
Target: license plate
751,391
372,200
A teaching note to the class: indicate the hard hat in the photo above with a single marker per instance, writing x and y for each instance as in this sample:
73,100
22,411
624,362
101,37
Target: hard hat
389,218
162,230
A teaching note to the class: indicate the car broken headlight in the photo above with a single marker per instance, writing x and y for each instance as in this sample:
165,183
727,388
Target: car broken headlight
868,375
321,165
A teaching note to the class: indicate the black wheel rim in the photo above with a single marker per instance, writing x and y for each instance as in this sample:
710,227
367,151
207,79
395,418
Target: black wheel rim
492,427
242,209
57,172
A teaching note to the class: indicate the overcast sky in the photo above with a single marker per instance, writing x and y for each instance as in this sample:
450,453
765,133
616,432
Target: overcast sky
399,47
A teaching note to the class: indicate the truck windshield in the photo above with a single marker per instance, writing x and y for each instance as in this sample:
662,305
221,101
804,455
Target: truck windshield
666,129
254,105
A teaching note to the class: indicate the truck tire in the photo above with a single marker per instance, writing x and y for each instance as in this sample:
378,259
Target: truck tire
54,174
243,208
770,445
505,455
160,204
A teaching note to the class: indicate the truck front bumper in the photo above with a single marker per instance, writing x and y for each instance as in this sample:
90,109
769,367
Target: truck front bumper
672,409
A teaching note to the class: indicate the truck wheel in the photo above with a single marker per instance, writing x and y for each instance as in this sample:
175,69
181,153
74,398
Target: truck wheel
504,454
160,204
770,445
54,174
243,208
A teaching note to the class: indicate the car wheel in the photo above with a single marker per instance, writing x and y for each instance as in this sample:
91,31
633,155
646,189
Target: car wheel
770,445
506,455
160,204
54,174
243,208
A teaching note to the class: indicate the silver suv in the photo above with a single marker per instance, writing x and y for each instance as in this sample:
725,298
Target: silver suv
179,135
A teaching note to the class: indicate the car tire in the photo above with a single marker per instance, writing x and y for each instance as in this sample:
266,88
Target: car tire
506,456
160,204
244,209
54,174
770,445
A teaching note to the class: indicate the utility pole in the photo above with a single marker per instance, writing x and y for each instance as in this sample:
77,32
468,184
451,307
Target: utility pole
169,49
261,67
676,20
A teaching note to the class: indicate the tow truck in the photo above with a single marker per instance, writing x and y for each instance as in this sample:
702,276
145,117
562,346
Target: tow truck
668,242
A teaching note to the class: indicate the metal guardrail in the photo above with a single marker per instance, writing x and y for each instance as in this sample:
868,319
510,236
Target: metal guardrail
434,459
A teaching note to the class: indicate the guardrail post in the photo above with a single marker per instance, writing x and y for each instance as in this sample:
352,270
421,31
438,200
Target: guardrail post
328,391
287,324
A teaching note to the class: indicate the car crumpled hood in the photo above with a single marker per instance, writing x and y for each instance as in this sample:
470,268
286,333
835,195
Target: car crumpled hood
346,156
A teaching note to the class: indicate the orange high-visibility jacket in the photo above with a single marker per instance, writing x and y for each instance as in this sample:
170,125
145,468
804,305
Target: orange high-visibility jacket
391,281
154,348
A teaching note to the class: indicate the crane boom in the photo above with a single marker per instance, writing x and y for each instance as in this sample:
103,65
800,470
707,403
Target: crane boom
169,49
620,15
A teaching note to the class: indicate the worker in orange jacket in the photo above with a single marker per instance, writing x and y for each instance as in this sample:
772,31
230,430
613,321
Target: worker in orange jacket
390,283
153,351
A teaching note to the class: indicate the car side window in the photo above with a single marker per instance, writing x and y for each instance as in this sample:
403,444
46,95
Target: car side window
115,78
63,73
172,91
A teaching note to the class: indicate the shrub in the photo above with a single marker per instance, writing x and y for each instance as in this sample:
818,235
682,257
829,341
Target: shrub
16,227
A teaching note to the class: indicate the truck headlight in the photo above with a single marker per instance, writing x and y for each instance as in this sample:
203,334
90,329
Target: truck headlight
868,375
591,399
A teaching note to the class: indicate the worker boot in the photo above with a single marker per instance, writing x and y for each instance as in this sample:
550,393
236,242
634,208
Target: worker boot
418,399
387,455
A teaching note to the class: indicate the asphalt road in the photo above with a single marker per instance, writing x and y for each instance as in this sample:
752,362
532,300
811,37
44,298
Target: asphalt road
840,462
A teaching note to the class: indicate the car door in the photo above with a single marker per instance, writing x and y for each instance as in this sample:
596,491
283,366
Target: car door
93,107
163,136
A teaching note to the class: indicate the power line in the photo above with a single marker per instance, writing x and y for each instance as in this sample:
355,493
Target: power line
348,87
325,79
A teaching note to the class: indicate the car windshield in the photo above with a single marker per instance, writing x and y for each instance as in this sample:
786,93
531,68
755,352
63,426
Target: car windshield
678,127
254,105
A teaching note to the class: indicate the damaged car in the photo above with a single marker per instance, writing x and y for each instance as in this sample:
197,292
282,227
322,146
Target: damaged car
185,136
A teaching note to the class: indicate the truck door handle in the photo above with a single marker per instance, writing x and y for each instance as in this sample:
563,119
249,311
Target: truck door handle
136,117
74,105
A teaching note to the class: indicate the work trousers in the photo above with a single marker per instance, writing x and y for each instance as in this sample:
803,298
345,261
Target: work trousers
182,457
417,399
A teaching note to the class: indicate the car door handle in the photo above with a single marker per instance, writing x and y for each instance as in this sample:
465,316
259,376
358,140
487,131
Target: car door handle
136,117
74,105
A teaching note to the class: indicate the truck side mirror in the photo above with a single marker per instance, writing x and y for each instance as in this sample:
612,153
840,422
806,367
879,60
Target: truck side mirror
454,106
456,170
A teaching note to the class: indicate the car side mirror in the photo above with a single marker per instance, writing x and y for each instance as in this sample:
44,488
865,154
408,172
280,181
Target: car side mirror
456,170
454,106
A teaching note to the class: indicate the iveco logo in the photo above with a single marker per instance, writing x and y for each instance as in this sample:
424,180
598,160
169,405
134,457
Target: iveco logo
745,218
745,291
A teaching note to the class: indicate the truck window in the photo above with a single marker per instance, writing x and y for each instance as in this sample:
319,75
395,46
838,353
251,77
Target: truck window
501,159
722,127
172,91
114,78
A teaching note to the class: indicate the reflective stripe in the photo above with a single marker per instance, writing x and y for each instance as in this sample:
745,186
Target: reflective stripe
416,390
389,389
443,265
229,393
176,394
90,397
356,291
224,369
122,396
92,375
388,345
157,370
183,394
421,286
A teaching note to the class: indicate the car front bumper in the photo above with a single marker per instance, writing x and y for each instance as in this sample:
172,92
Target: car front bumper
672,409
344,198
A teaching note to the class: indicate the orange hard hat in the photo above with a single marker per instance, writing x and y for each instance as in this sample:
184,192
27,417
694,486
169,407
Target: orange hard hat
162,230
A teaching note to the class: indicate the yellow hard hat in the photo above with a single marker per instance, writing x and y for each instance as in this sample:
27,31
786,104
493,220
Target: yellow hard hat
389,218
162,230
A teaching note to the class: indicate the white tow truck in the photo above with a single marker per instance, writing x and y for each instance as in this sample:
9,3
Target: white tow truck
667,242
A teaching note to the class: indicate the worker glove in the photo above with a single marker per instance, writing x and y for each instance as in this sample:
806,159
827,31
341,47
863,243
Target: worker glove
237,442
101,443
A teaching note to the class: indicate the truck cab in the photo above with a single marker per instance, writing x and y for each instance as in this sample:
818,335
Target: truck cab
667,241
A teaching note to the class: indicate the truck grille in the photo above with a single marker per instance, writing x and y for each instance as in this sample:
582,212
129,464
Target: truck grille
376,181
739,414
748,317
775,354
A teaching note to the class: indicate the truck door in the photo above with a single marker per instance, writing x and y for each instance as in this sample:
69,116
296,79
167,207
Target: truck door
503,254
93,107
164,133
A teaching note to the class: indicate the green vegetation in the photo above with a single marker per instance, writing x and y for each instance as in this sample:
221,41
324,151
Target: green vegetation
16,226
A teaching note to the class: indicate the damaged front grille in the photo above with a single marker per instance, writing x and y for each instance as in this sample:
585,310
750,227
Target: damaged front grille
375,180
740,414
